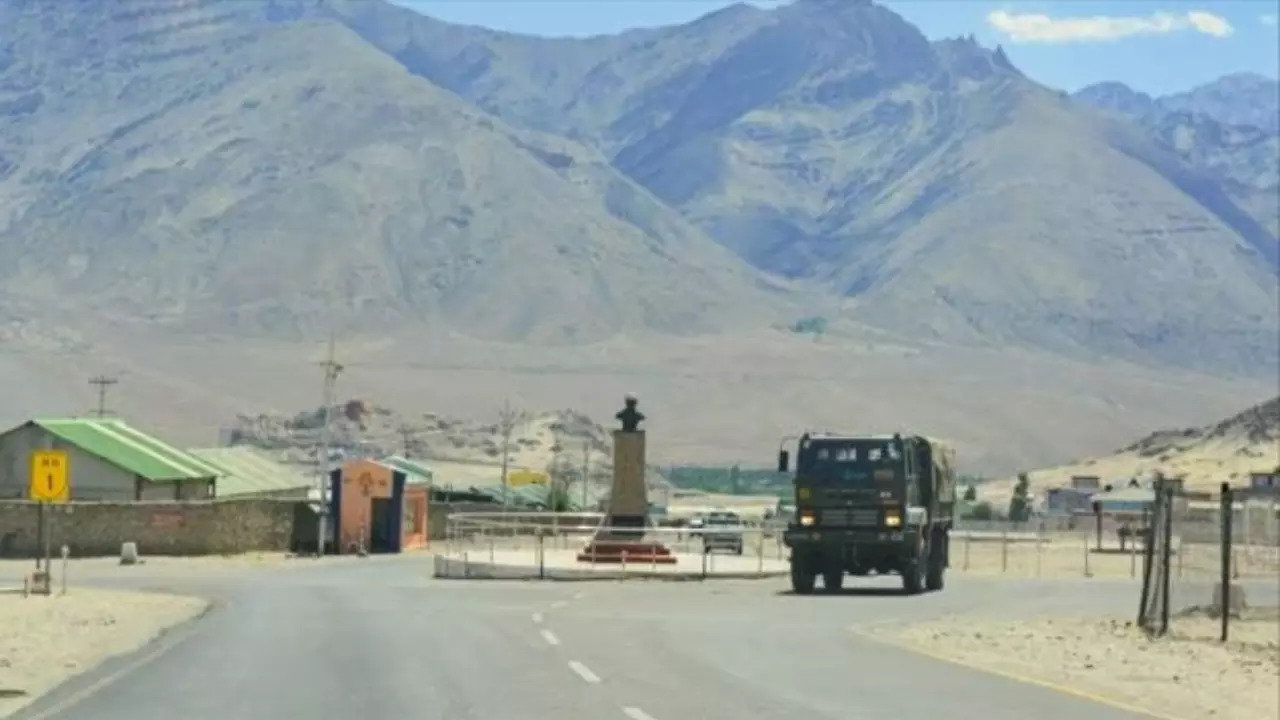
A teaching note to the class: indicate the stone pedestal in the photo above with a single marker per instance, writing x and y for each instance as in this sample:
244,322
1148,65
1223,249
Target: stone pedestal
627,518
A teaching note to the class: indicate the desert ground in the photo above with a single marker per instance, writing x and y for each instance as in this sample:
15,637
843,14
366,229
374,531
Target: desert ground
45,640
1187,675
708,399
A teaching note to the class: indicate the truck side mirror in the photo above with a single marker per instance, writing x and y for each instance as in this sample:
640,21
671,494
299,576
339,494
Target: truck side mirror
783,461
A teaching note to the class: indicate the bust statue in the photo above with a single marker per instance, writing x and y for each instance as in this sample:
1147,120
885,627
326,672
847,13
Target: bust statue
629,415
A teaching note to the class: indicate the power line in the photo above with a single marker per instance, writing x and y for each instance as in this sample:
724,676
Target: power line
103,382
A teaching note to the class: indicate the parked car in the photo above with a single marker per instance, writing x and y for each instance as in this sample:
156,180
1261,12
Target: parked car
722,530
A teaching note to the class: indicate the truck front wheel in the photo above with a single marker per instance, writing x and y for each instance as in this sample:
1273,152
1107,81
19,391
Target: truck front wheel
937,564
802,578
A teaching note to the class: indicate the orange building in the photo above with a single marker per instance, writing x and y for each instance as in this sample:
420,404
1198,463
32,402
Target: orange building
375,511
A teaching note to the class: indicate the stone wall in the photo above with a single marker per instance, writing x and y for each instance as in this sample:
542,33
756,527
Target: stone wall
159,528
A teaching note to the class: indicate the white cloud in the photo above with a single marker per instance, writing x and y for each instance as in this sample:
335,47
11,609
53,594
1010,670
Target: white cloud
1040,28
1269,20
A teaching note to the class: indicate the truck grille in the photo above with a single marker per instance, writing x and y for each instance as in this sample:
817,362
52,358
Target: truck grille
850,517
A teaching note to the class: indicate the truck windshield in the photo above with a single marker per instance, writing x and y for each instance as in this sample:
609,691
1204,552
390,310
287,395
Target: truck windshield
850,462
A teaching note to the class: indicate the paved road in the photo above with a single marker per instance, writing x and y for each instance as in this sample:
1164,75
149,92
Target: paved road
378,638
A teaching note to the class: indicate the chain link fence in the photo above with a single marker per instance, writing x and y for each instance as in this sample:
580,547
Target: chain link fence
1211,559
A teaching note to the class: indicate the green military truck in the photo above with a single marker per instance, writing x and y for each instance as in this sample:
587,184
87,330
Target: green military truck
864,504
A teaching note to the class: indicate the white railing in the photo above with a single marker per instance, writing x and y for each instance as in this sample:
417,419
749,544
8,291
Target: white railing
537,542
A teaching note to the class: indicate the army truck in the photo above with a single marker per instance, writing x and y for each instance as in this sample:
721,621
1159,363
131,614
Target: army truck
870,504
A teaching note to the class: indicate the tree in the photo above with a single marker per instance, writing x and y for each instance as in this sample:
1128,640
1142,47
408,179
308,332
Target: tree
970,494
1020,503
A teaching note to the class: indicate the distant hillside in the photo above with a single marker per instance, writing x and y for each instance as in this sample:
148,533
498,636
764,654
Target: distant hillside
1226,451
556,442
832,141
280,167
1229,128
216,166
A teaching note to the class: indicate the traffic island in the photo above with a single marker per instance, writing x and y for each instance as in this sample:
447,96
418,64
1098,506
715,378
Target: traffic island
564,565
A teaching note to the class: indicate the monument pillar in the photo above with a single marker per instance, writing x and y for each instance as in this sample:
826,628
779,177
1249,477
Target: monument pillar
628,498
626,522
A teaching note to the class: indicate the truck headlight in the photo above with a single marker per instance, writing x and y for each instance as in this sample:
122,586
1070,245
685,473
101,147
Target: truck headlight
806,518
892,518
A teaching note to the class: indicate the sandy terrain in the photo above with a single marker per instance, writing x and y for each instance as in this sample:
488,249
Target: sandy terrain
12,571
708,399
1187,676
45,640
1204,457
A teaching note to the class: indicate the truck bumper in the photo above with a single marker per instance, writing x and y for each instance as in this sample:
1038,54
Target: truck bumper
796,537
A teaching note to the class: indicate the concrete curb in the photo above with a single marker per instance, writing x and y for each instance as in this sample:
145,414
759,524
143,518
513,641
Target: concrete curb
446,568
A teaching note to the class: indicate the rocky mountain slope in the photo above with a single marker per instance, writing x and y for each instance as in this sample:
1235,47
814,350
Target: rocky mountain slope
1229,128
274,167
1225,451
555,442
941,191
204,163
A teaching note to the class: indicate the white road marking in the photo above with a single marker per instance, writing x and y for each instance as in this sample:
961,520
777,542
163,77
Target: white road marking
577,596
559,604
636,713
550,637
583,672
537,617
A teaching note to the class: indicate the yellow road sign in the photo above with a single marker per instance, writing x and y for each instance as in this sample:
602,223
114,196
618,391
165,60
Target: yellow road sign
48,479
518,478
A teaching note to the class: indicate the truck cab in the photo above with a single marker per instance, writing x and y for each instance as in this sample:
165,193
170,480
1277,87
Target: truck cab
867,504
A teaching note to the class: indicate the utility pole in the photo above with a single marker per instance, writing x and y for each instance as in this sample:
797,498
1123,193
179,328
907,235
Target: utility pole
507,420
331,370
103,382
586,470
406,435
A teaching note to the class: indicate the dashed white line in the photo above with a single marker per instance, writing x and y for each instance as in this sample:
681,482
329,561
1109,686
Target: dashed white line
577,596
636,713
537,617
550,637
583,672
559,604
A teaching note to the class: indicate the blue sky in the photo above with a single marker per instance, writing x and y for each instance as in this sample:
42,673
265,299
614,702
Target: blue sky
1153,45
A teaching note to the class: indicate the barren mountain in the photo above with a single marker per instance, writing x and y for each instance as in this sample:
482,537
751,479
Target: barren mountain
1205,457
1227,129
934,185
202,163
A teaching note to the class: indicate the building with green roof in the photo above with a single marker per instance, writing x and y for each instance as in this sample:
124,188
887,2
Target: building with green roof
245,472
107,460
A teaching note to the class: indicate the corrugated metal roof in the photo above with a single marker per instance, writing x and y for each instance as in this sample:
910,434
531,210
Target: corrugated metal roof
415,473
129,448
246,471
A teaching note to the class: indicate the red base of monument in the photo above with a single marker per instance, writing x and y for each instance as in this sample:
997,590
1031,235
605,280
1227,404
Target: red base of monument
631,551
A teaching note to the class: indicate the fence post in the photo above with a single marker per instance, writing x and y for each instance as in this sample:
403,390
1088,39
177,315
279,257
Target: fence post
1227,506
66,553
967,539
542,557
1004,550
1086,555
1166,556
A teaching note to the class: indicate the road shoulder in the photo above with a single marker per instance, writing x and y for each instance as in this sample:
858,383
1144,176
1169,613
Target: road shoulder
45,641
1186,676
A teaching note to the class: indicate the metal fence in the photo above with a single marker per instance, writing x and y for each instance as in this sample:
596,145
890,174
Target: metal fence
1210,563
530,545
